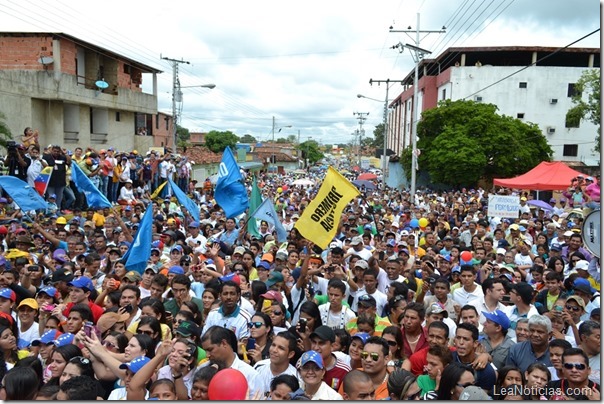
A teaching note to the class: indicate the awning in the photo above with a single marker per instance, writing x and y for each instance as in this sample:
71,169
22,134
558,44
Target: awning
251,165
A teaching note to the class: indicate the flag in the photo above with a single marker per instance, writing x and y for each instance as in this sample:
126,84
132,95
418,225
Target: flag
230,191
255,201
319,222
94,197
139,252
41,181
25,196
155,193
266,211
184,200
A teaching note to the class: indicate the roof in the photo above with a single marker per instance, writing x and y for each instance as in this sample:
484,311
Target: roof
61,35
547,176
262,155
202,155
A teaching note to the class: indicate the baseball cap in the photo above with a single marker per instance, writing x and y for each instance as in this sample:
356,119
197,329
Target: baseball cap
64,339
82,282
62,274
47,338
367,227
273,295
60,255
239,250
501,251
474,393
135,364
29,303
391,243
498,317
361,264
363,336
356,240
582,264
367,301
61,220
555,247
49,290
437,308
324,333
194,225
584,286
133,276
233,276
176,247
8,294
274,278
178,270
568,233
187,329
264,265
281,255
267,257
311,356
108,320
577,299
405,233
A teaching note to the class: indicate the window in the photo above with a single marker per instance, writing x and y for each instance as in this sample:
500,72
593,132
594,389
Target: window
570,150
117,116
572,90
520,115
523,84
444,94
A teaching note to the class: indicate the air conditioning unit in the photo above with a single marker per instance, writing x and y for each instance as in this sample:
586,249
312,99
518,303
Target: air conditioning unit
553,100
478,98
551,130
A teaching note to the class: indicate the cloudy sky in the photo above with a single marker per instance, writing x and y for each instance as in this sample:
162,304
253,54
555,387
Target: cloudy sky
303,63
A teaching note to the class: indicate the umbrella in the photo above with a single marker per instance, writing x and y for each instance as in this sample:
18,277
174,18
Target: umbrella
303,181
540,204
300,172
367,176
362,183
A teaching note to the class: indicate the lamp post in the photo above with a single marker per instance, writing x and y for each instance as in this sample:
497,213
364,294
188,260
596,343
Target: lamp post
273,145
384,165
177,97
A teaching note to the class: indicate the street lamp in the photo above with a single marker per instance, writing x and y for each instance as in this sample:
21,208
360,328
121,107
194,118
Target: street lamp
273,145
384,159
177,97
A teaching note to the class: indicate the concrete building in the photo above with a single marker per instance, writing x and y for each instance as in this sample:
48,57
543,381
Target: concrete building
78,94
540,94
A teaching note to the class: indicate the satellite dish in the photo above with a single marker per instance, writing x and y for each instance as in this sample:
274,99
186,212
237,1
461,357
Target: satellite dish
591,232
46,60
102,84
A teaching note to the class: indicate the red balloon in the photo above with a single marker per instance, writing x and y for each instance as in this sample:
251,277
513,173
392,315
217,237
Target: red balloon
466,256
228,384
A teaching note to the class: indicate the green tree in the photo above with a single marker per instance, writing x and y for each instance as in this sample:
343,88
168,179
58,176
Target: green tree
218,141
248,139
281,140
462,142
5,133
378,137
591,109
310,150
182,136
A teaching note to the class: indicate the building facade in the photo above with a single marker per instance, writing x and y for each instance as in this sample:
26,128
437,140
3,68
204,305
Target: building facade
77,94
540,94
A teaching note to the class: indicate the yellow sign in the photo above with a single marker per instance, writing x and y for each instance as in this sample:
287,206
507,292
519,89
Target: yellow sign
319,222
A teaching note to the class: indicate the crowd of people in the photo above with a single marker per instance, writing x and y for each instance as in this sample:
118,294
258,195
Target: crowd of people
416,297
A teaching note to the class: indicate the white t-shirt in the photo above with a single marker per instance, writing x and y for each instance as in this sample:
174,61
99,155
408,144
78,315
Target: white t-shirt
265,375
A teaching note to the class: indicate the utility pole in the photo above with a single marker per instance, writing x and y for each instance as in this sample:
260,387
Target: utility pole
176,95
362,117
384,157
418,54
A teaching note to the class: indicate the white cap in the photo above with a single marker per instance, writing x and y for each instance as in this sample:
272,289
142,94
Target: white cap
356,240
501,251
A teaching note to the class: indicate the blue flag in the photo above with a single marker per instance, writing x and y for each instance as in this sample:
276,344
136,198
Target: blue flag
184,200
94,197
25,196
230,192
266,211
139,252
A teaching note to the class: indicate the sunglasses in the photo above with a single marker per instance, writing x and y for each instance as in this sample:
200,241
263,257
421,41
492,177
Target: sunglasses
81,359
578,366
374,355
391,343
277,313
148,332
573,308
255,324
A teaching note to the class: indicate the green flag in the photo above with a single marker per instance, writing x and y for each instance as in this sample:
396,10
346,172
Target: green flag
255,201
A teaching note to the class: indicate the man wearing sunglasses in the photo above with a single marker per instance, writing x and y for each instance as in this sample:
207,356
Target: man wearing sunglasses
575,384
375,357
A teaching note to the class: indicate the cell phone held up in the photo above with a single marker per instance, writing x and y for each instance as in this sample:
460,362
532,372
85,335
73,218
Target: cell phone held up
251,344
302,326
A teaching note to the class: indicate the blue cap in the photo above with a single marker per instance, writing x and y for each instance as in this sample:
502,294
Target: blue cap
64,339
128,208
456,268
135,364
521,228
178,270
363,336
392,243
8,294
49,290
82,282
52,196
498,317
194,224
367,227
47,338
176,247
311,356
583,284
264,265
296,273
555,247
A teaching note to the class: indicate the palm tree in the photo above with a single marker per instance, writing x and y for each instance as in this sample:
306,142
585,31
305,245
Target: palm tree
5,133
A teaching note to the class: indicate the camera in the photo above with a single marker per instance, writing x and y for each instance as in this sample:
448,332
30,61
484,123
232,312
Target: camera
11,146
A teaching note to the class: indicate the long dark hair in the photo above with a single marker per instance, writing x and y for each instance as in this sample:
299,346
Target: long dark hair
398,337
147,343
449,379
312,310
21,383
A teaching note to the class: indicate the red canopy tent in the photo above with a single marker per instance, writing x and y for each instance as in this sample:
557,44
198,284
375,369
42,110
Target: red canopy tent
547,176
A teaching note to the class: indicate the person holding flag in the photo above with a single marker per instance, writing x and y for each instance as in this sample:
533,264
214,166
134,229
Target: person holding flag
35,166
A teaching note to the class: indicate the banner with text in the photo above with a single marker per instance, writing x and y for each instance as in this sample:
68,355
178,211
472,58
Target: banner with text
319,222
504,206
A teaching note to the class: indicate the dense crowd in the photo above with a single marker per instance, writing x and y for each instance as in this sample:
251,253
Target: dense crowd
416,297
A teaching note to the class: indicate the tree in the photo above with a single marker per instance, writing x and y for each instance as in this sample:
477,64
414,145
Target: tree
310,150
378,137
590,110
281,140
182,136
218,141
5,133
462,142
247,138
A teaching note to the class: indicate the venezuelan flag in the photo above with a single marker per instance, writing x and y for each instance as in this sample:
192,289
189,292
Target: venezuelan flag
41,181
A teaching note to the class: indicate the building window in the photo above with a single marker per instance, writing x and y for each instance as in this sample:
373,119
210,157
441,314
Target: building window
117,116
570,150
523,84
444,94
572,90
520,115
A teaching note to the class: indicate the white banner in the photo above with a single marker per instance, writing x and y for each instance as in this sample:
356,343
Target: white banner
504,206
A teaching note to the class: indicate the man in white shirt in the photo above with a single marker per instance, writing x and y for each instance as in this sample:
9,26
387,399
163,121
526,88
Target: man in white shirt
493,293
358,248
229,314
334,314
196,239
282,350
470,292
521,296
